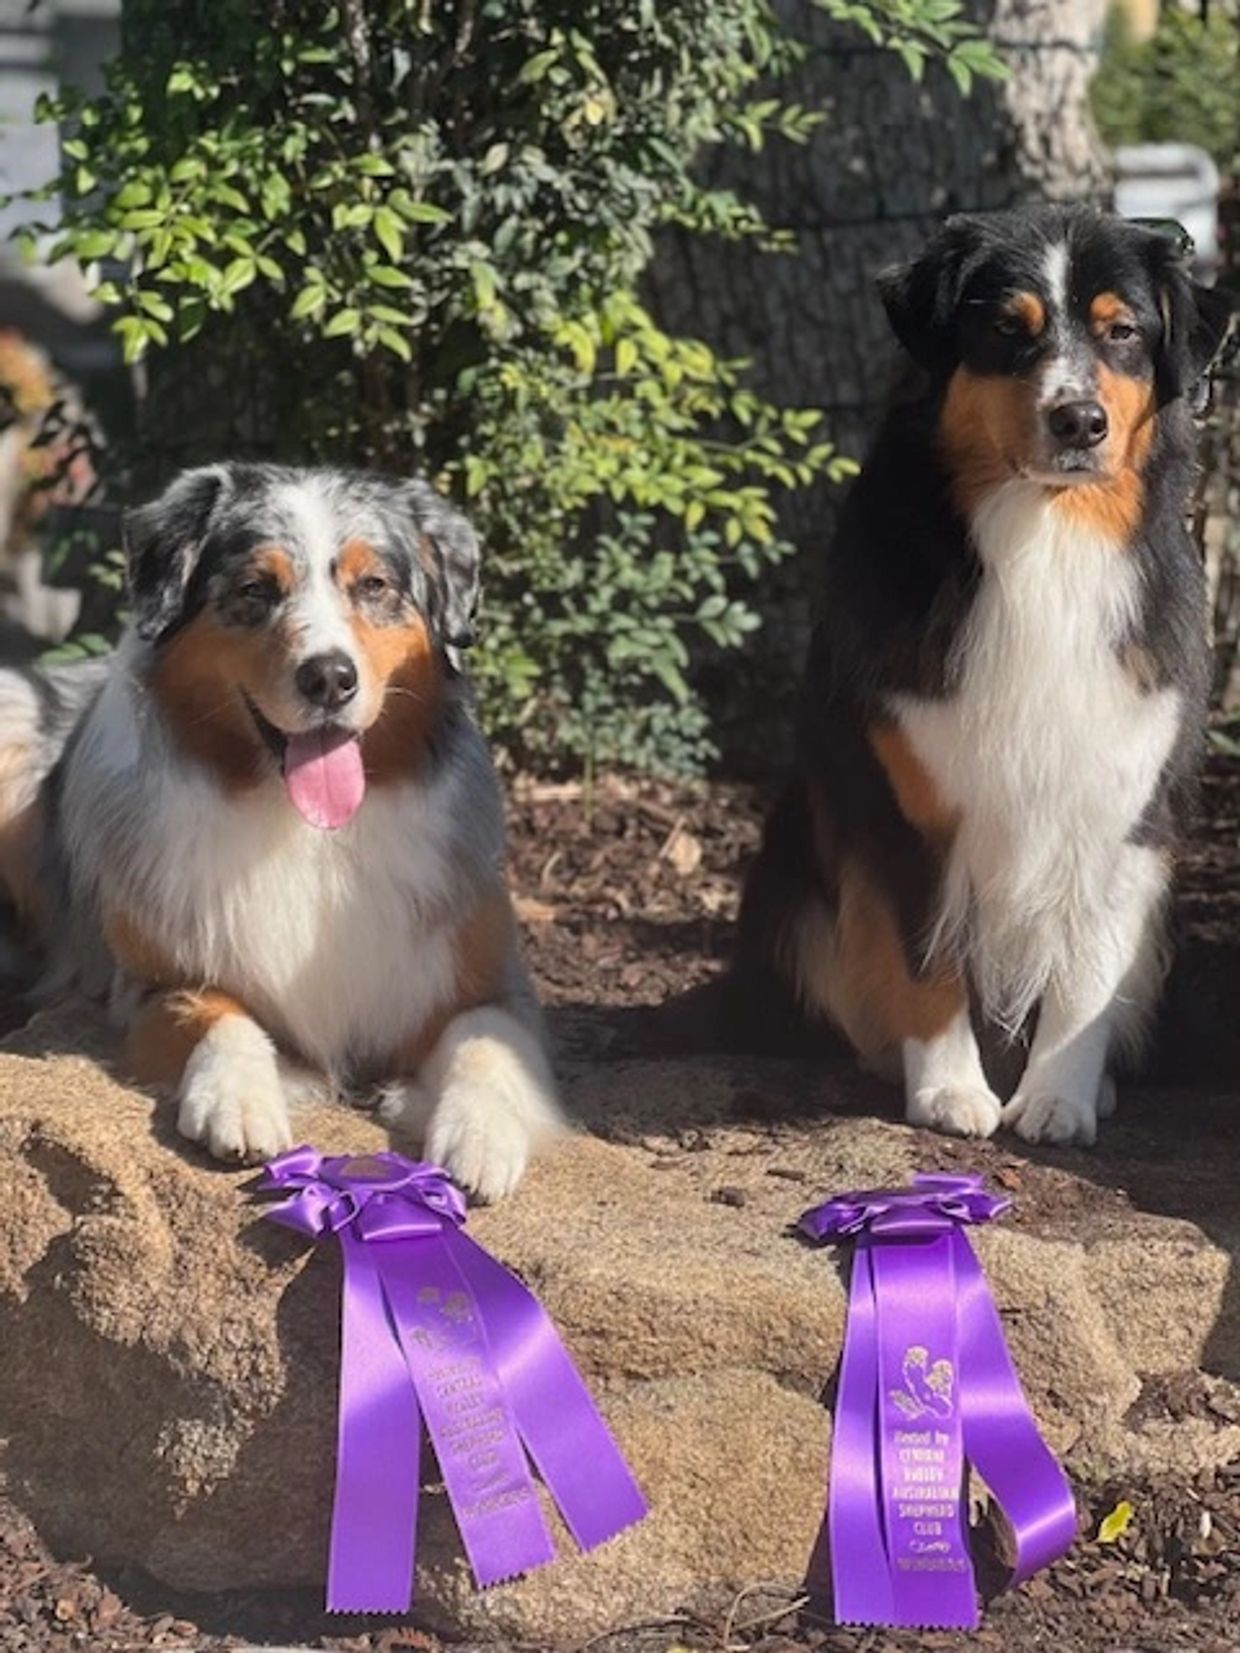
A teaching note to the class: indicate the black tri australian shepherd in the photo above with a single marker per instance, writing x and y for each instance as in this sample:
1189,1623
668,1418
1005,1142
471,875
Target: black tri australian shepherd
1003,704
268,827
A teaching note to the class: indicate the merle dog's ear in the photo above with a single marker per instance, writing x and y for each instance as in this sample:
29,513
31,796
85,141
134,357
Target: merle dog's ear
163,541
1195,321
451,556
920,297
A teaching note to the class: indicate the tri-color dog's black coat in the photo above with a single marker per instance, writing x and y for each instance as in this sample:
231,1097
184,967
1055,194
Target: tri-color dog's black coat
1001,714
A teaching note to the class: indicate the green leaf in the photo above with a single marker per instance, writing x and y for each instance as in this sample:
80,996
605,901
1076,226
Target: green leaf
396,342
133,194
91,244
344,322
536,67
311,301
389,233
144,218
134,334
383,275
238,275
424,212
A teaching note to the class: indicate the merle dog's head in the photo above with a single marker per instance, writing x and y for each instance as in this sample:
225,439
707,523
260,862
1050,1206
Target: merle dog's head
1057,335
295,613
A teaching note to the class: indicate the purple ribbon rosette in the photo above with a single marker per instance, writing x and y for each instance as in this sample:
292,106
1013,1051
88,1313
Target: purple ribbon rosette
434,1330
926,1389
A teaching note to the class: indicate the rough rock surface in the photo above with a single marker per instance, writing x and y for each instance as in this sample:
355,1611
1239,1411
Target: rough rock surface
167,1377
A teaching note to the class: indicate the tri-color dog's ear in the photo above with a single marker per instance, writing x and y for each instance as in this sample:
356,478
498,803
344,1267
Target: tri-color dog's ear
163,541
1195,321
920,297
453,561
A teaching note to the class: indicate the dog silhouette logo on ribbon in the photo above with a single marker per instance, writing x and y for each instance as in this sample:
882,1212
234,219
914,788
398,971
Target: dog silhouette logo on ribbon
928,1389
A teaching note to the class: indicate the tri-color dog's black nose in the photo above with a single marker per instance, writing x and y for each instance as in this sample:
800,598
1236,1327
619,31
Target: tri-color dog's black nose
1078,424
327,680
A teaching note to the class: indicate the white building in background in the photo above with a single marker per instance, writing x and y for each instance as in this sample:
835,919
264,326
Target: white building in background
56,40
1172,180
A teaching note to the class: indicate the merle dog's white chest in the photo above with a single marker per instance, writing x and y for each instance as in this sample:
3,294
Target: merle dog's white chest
331,939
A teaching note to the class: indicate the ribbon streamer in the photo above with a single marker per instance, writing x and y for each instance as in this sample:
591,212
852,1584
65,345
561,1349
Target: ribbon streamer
926,1388
434,1329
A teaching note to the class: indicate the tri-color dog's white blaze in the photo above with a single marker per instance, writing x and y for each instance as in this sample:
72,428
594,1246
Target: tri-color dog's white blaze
1003,694
281,825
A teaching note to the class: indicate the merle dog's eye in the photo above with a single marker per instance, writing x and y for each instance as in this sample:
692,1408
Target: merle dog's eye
372,585
256,591
1121,330
1008,327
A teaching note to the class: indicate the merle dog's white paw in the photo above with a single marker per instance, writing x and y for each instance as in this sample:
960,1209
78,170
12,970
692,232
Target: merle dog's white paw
1040,1116
485,1147
957,1110
493,1101
231,1099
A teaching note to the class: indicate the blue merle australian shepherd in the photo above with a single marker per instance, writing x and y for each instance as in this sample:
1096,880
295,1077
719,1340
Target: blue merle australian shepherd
268,827
1004,699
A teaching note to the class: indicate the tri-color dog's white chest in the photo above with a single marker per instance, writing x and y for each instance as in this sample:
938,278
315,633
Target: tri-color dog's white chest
1047,751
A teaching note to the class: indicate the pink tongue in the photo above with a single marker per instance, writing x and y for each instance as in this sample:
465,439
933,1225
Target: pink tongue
323,773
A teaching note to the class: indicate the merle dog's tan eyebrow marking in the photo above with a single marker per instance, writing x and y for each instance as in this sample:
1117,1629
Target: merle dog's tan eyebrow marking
275,564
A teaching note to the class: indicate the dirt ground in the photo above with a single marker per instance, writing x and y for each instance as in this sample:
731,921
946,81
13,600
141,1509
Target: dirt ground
627,899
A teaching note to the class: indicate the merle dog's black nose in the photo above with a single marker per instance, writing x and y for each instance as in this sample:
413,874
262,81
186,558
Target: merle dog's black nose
1078,424
328,680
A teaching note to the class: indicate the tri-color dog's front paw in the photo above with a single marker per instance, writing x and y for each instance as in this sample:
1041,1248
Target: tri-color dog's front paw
231,1099
1041,1116
957,1110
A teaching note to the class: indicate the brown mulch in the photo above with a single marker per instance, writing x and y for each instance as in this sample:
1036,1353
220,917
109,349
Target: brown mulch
1171,1581
627,898
627,894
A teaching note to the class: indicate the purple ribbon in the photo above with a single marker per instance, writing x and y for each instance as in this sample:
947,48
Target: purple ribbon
433,1328
927,1387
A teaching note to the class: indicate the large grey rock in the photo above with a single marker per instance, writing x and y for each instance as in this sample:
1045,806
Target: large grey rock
167,1385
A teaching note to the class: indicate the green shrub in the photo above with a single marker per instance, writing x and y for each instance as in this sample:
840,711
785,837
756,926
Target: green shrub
1182,84
409,233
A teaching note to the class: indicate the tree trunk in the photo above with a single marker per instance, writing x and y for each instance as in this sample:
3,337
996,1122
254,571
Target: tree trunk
890,159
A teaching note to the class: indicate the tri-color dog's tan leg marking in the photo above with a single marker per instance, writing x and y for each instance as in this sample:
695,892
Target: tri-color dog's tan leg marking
851,965
913,787
223,1068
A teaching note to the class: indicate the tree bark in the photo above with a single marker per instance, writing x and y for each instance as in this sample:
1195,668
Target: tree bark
891,158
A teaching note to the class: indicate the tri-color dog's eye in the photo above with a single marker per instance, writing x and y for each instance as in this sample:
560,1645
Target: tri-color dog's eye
372,585
1008,327
256,591
1121,330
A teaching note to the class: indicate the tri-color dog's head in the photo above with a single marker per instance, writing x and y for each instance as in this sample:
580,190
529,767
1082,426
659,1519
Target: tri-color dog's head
305,619
1056,336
